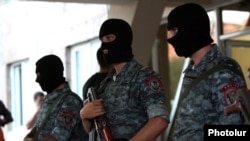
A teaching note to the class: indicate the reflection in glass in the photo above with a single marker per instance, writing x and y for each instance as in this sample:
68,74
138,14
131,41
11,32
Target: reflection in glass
234,21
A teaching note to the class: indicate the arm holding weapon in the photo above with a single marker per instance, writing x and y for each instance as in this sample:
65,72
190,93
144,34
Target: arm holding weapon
243,97
100,122
241,104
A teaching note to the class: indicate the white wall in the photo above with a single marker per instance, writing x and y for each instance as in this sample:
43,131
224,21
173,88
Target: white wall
30,30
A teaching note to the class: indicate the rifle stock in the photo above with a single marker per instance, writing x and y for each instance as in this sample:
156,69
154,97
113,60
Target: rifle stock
243,97
101,124
242,104
106,134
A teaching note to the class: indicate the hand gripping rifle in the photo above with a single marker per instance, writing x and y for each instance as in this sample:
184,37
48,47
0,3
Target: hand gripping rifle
100,123
242,97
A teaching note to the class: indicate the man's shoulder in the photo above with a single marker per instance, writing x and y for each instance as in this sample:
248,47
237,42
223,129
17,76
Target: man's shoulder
147,73
228,61
72,96
99,76
228,64
148,70
222,63
95,78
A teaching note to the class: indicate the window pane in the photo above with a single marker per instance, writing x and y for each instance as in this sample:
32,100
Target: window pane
84,64
16,92
234,20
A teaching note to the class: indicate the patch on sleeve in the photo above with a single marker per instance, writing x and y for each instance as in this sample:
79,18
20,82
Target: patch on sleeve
154,84
229,91
67,118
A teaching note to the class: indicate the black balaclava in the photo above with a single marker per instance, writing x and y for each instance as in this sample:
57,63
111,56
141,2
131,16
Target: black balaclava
51,69
120,49
193,26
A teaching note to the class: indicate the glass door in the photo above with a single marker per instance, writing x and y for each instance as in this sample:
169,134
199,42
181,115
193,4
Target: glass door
235,34
240,51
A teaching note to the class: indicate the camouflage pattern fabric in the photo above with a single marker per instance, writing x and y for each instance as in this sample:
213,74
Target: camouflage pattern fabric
132,99
64,121
206,101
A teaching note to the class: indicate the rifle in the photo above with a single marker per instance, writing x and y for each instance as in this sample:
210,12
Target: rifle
242,98
101,124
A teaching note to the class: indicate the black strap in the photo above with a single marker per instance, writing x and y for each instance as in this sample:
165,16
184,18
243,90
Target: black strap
58,100
207,73
194,82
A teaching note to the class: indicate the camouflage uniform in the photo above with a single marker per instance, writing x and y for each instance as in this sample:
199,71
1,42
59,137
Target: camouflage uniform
64,121
206,101
132,99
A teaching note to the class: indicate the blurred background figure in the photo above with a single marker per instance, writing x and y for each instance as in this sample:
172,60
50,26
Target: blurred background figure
5,118
59,116
96,78
38,99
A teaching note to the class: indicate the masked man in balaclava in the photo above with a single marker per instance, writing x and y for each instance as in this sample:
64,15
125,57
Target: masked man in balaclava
132,97
207,102
58,119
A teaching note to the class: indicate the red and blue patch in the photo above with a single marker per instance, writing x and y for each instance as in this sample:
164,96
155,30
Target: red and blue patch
154,83
67,118
229,91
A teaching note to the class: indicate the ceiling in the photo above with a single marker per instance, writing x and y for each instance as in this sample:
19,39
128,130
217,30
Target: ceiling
151,12
169,3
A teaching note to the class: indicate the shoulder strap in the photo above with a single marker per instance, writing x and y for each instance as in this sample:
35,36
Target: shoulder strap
47,114
138,69
201,77
144,67
207,73
132,75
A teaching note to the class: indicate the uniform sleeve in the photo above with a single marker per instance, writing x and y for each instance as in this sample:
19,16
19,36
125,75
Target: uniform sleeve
227,83
153,94
67,119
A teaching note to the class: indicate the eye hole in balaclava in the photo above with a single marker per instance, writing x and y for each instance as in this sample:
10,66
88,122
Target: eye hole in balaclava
193,26
49,71
120,49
